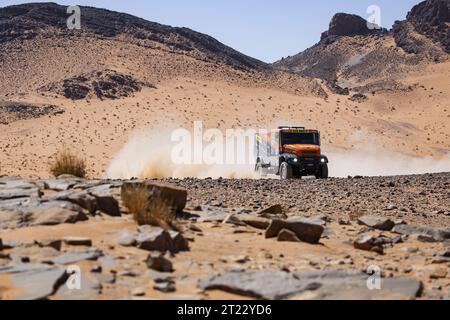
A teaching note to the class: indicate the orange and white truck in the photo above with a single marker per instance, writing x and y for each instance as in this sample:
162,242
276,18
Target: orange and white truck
290,152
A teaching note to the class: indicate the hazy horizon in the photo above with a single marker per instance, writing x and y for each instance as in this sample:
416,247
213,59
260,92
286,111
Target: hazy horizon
266,30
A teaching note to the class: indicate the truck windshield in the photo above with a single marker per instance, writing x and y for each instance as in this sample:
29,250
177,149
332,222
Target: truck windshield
300,138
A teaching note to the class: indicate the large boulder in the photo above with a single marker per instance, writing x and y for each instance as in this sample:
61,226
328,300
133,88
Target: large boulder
344,24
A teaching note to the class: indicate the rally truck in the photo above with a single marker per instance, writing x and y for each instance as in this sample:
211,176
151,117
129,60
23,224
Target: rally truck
290,152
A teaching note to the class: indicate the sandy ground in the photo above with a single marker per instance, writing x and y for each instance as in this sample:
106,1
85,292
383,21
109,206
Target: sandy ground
412,124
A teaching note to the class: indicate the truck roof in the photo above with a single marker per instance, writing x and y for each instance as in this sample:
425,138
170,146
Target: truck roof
295,130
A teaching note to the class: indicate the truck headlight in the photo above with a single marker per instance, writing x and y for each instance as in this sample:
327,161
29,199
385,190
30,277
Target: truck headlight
295,160
322,160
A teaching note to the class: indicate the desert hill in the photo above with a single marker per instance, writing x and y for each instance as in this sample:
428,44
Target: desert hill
350,55
91,89
35,40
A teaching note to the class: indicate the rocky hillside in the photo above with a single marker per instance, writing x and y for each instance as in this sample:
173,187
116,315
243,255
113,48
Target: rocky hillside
32,20
350,55
41,55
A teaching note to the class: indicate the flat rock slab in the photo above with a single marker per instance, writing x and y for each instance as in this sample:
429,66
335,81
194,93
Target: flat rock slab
379,223
6,194
99,198
408,229
255,222
79,197
89,288
304,229
337,284
275,285
259,284
16,184
40,212
56,215
74,257
35,281
60,184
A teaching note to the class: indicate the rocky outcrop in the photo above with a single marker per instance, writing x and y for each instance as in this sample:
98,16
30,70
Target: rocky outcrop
431,18
350,55
104,85
15,111
343,24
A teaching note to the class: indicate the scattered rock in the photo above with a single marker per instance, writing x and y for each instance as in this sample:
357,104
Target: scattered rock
408,229
344,222
374,222
158,239
159,277
369,243
138,292
288,236
439,274
52,243
165,287
127,239
78,241
303,229
159,263
275,209
105,278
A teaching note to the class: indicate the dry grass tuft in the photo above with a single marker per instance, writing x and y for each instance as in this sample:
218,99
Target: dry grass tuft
356,214
155,213
67,162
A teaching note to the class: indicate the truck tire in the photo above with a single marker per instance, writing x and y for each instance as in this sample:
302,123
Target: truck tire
323,172
286,171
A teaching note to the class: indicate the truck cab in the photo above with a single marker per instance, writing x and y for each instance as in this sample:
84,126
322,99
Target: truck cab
290,152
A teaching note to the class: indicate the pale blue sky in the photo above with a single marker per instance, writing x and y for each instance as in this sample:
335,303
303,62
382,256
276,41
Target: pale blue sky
264,29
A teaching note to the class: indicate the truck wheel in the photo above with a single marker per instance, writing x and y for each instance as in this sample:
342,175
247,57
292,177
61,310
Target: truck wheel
323,172
286,171
260,170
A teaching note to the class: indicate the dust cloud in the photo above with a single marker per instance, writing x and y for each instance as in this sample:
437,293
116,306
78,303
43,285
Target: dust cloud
374,162
147,155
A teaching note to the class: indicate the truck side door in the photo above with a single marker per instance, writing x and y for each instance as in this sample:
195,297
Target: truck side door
275,149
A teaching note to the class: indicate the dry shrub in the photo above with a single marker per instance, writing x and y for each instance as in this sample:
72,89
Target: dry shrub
155,213
67,162
356,214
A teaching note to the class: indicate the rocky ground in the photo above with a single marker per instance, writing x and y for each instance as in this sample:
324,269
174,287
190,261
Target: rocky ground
264,239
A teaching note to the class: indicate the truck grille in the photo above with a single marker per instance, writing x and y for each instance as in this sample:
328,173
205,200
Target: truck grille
309,153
